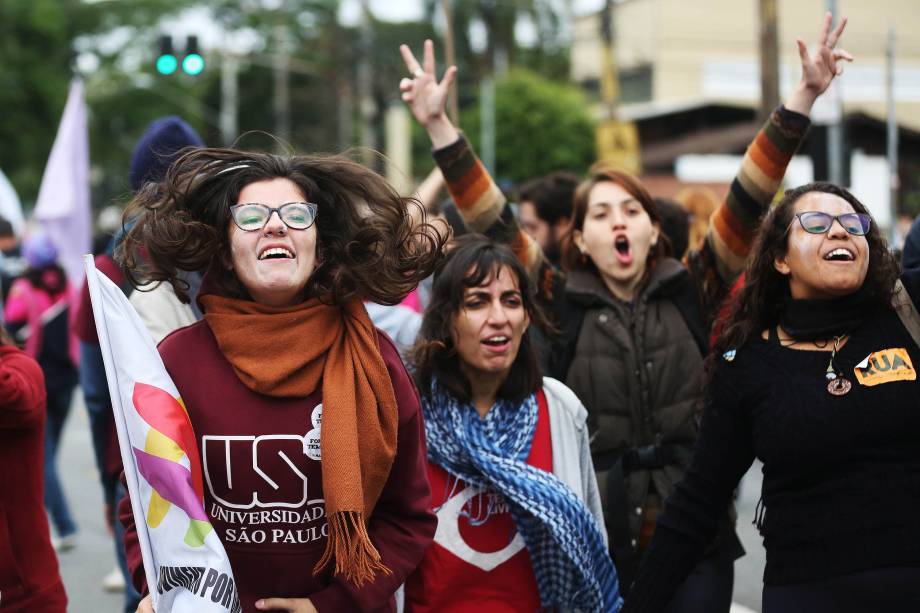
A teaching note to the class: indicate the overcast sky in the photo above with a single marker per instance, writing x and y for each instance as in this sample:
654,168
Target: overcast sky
199,21
403,10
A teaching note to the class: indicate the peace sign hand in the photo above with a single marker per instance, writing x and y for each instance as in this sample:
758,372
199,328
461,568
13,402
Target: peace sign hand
426,97
820,68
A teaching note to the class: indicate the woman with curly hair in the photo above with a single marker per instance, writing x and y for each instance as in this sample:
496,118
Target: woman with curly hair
634,322
814,375
308,425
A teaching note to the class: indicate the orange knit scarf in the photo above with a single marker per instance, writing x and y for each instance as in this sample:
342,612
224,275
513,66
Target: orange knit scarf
286,352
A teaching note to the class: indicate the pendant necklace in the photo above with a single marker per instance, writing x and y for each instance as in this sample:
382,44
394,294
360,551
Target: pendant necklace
837,384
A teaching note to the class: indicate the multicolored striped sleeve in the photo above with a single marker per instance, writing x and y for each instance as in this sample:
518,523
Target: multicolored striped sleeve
483,206
735,222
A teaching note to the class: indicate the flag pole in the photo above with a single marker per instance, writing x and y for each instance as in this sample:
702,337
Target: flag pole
127,457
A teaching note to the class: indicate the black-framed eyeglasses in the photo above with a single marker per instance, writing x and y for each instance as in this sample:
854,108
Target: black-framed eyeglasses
252,216
816,222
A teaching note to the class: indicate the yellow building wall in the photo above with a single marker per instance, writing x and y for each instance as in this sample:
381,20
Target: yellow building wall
708,49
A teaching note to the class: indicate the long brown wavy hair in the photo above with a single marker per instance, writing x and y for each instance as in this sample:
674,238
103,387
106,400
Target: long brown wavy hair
367,241
759,304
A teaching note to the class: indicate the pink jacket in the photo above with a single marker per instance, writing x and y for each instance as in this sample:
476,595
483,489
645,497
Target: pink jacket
33,306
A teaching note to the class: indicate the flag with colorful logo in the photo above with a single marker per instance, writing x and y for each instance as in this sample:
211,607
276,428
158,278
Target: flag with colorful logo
186,566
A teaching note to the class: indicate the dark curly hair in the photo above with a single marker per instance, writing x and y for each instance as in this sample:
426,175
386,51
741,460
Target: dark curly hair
759,304
367,241
472,260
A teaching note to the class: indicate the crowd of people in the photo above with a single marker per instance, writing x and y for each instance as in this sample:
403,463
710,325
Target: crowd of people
540,406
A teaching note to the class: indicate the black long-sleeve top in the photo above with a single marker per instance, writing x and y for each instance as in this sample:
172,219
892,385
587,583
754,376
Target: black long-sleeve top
841,486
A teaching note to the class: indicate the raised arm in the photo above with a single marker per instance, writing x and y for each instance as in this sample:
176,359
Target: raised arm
480,202
428,190
734,224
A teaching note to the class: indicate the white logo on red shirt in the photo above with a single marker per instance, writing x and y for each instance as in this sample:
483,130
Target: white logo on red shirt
266,471
448,534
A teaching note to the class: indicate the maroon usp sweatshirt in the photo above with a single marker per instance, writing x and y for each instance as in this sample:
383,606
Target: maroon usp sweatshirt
264,488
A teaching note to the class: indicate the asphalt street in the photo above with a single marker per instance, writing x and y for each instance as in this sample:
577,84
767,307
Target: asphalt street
84,567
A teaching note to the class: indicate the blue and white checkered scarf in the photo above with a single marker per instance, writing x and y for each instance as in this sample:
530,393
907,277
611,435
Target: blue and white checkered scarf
570,560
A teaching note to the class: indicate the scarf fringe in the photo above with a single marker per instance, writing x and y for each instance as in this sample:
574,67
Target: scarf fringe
356,558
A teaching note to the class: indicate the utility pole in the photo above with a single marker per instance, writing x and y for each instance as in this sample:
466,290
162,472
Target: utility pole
365,86
487,89
282,69
610,80
450,56
894,182
835,127
769,58
617,141
229,98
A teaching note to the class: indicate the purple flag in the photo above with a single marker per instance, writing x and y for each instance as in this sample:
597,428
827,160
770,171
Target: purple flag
63,208
10,207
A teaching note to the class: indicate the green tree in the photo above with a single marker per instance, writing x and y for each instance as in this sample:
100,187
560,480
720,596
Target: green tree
540,126
38,48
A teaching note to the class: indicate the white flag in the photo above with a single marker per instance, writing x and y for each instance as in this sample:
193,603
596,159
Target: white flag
187,568
10,206
63,207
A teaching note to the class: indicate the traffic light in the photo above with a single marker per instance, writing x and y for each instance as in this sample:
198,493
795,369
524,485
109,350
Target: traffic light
168,62
193,62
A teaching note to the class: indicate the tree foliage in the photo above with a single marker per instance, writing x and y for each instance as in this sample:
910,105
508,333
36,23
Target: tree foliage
43,43
540,126
38,48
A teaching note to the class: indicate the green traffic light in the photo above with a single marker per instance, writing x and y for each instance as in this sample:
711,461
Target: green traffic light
193,64
167,64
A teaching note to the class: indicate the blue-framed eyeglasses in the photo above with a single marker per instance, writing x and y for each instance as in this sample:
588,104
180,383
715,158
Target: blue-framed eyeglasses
252,216
816,222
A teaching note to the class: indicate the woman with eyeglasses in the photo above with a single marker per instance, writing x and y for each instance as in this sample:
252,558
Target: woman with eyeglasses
634,323
815,375
308,425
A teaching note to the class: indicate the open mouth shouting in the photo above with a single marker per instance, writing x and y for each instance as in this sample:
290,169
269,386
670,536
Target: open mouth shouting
497,343
622,250
840,254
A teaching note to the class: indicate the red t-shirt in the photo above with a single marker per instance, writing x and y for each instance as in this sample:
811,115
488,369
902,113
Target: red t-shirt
478,568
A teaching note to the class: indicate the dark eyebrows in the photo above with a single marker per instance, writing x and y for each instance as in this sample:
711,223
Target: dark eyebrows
474,292
477,292
605,204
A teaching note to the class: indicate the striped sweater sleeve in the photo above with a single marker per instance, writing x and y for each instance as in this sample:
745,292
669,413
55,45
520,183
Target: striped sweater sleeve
734,224
483,206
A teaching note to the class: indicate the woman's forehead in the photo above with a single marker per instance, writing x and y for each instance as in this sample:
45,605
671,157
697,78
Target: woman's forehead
824,203
271,191
501,274
608,193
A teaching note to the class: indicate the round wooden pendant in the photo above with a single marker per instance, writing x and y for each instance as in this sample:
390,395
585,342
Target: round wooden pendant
839,386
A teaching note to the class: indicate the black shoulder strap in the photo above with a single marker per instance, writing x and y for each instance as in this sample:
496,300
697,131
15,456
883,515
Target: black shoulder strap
564,343
906,310
687,301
